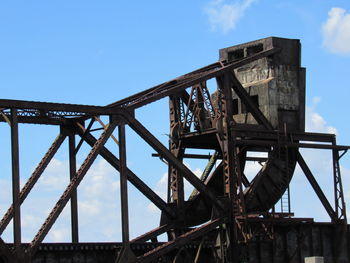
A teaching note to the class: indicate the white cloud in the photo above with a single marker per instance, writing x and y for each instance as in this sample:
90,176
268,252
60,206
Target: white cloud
314,122
90,208
224,15
102,176
99,203
59,235
336,31
56,176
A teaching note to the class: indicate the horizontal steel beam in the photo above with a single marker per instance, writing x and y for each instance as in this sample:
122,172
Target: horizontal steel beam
189,156
257,131
253,131
38,120
207,157
57,107
291,144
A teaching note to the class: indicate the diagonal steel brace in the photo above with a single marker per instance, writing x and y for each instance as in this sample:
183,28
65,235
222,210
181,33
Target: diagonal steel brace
70,189
167,155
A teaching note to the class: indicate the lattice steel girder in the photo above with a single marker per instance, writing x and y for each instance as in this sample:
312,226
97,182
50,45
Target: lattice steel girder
225,138
53,110
232,175
340,208
196,77
175,180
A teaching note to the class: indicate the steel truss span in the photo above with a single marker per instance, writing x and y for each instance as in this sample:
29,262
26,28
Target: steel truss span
258,105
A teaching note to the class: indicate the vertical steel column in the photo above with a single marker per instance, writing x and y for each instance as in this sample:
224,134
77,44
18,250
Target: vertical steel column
230,151
74,198
15,180
176,191
226,143
202,115
340,208
176,183
232,175
123,186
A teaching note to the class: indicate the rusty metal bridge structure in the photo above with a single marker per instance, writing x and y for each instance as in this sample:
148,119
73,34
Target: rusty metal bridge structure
227,218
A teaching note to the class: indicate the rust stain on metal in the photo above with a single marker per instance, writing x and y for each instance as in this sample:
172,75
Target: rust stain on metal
259,105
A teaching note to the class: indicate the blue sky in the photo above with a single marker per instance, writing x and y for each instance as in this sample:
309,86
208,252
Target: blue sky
97,52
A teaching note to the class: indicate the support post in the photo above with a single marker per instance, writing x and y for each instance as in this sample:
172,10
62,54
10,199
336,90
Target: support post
123,186
176,181
176,193
340,208
74,197
126,255
15,181
231,169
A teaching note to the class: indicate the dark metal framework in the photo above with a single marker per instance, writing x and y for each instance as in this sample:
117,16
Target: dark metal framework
194,123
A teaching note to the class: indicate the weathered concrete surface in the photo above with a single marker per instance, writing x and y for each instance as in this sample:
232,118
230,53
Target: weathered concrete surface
278,83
